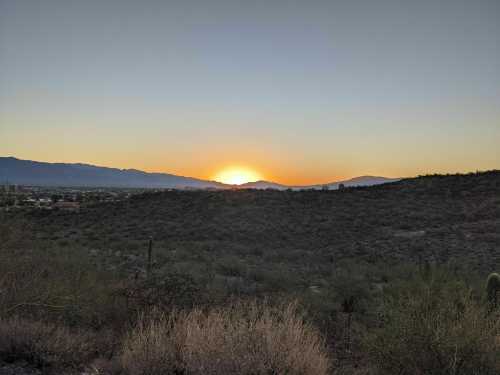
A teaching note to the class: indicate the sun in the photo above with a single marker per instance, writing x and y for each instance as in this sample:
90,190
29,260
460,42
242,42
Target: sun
237,176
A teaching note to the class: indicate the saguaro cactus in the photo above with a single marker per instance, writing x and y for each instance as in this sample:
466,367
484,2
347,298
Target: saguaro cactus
150,254
348,308
493,289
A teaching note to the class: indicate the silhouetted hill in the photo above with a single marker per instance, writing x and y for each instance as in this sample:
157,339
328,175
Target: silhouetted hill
438,218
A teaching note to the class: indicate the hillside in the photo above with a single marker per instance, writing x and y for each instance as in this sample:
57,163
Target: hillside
387,250
434,218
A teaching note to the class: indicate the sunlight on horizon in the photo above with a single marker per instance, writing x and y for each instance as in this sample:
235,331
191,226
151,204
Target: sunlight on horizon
237,175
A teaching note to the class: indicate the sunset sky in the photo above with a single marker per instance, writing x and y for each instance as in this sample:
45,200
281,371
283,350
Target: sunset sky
297,91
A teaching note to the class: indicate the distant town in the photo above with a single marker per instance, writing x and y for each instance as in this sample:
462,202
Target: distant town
72,199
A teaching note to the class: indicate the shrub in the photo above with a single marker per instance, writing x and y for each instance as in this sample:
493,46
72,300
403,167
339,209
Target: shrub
44,345
163,291
240,339
433,325
492,289
62,286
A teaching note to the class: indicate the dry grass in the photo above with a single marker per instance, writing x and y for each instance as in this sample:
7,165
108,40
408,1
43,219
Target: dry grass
44,345
241,339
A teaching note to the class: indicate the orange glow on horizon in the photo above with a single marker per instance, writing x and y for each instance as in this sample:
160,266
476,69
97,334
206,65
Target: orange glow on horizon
236,175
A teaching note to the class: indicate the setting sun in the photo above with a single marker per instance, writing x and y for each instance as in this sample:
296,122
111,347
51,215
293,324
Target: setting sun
236,176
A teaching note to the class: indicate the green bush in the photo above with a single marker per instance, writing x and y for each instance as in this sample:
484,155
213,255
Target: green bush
432,324
58,285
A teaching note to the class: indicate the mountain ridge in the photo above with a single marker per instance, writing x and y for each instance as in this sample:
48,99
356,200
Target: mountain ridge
31,172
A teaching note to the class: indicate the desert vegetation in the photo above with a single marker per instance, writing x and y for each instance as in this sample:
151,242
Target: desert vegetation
434,324
236,339
45,345
381,280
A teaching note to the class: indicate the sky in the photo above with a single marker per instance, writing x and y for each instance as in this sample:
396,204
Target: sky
298,91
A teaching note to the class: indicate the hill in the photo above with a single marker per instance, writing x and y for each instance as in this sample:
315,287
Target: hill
350,255
434,218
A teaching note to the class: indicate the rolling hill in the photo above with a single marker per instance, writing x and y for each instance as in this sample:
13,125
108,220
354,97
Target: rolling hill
437,218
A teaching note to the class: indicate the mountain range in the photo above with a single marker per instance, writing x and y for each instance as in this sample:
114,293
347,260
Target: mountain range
28,172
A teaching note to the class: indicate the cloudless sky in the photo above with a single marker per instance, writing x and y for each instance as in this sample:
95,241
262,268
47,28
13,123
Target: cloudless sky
300,91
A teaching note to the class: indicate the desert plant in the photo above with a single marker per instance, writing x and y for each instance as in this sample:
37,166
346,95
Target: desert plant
53,285
434,325
348,309
166,291
492,289
44,345
239,339
150,255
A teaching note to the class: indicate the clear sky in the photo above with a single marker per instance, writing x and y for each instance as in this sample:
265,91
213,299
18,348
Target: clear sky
299,91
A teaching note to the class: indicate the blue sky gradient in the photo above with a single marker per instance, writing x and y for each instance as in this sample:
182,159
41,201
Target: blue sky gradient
301,91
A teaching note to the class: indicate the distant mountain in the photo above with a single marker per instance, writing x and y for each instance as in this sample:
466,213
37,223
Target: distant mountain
262,185
27,172
359,181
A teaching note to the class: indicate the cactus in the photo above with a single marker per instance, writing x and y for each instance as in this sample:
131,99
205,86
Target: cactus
493,288
150,254
348,308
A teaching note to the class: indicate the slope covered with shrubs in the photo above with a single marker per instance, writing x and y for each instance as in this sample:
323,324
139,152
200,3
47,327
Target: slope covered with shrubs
433,324
389,278
434,218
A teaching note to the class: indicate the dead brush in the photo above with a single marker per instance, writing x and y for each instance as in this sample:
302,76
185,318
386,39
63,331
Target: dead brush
240,339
